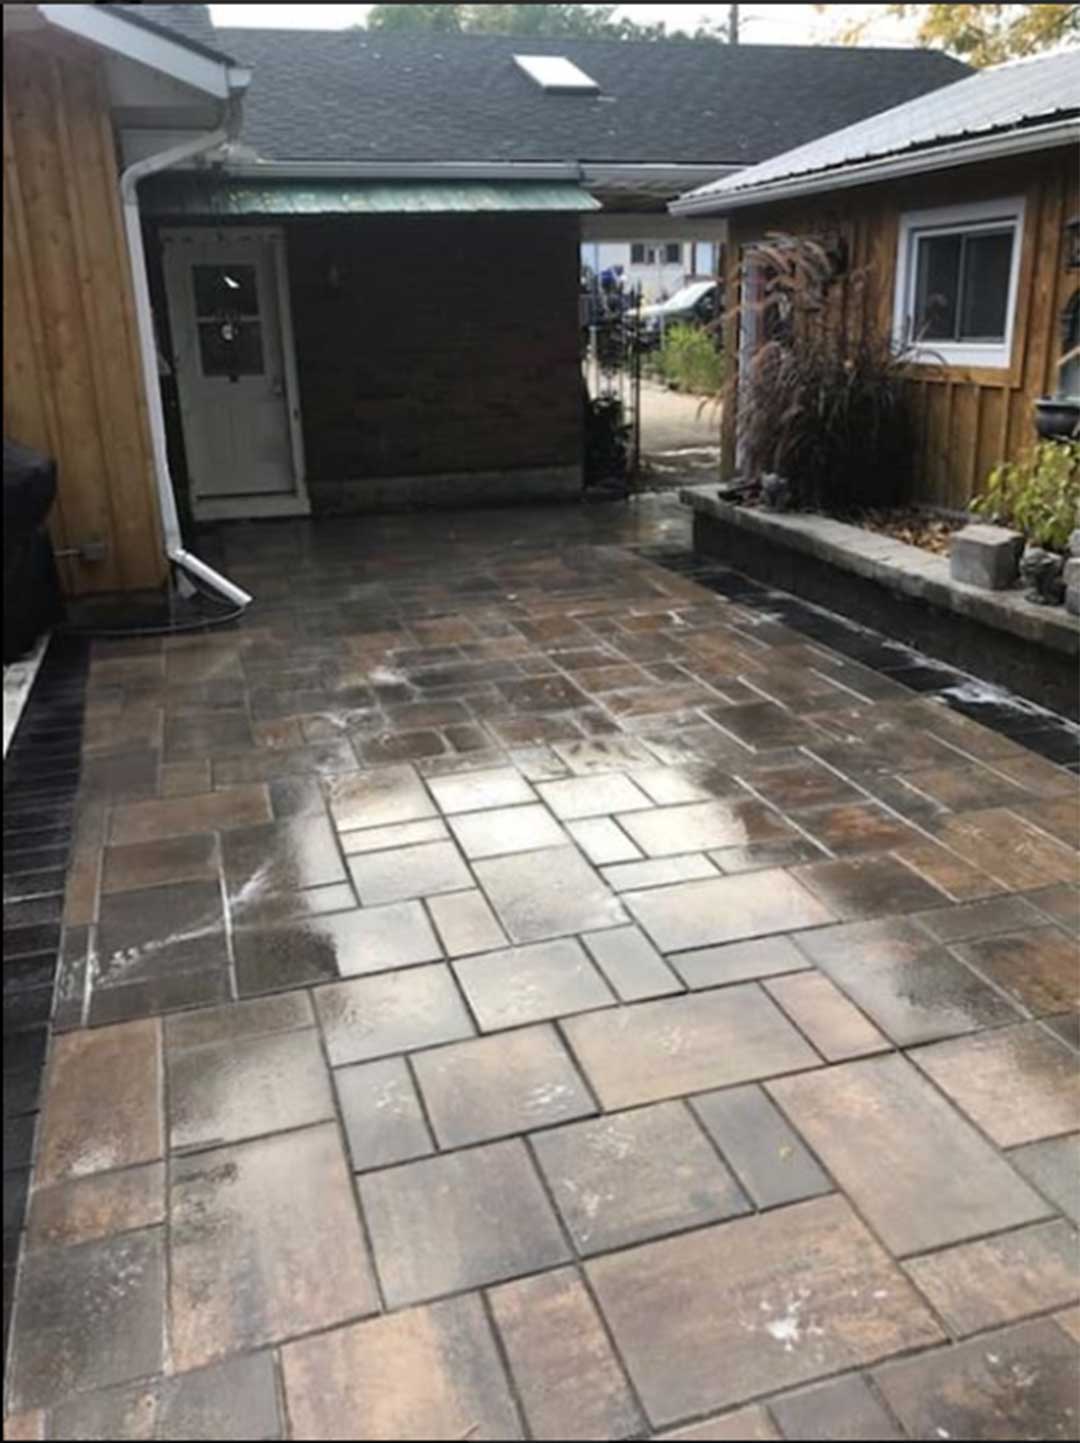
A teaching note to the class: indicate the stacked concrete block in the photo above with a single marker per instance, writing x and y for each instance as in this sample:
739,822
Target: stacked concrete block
986,556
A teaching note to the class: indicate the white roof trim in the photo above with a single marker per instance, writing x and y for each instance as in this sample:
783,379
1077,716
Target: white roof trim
938,157
110,31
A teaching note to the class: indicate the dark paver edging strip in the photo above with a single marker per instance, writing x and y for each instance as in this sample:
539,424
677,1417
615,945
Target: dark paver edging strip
896,565
1045,726
41,779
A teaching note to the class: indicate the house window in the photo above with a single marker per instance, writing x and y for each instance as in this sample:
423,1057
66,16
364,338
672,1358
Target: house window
668,254
956,281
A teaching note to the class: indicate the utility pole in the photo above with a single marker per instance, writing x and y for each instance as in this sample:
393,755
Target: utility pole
733,25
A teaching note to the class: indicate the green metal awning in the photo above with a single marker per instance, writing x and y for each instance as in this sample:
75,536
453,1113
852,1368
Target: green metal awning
202,197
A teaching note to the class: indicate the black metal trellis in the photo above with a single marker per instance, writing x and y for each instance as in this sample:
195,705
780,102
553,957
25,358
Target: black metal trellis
612,375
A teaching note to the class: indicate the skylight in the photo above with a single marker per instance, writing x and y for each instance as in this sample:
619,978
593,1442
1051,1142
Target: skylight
555,73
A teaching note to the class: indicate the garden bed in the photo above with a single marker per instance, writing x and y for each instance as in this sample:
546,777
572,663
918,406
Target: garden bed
916,528
900,589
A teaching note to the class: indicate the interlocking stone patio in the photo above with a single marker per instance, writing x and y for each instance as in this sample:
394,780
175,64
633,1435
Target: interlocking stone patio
511,989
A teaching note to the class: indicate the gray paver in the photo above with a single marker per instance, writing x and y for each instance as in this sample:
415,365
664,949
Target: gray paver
527,984
547,894
632,966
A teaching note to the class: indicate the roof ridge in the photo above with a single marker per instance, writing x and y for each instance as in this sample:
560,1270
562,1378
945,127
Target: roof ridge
450,37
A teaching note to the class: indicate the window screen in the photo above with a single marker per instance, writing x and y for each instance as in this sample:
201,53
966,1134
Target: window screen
962,285
985,290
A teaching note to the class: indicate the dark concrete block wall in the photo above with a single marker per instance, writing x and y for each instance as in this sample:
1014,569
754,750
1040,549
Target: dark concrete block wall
435,346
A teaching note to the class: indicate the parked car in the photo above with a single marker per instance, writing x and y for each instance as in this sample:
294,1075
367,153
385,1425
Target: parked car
695,304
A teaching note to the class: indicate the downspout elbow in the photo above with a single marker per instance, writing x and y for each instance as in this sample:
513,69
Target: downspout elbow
163,159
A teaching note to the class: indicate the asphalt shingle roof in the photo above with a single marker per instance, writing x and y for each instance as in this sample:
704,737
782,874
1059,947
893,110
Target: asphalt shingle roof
190,24
357,95
1007,97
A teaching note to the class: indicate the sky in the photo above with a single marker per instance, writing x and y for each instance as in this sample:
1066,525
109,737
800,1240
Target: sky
763,24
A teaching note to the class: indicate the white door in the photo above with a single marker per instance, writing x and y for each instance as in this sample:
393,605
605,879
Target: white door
241,427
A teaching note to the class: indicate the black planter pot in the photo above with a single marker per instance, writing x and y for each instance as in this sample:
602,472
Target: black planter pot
1057,418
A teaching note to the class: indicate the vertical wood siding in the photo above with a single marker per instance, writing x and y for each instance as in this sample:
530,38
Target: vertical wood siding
966,421
72,379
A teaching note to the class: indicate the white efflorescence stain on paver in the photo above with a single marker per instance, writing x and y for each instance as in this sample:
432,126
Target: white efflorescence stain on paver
386,676
672,1040
790,1328
590,1202
545,1096
611,1141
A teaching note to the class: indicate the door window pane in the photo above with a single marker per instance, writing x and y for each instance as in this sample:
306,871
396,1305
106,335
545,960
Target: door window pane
231,348
985,291
225,291
937,287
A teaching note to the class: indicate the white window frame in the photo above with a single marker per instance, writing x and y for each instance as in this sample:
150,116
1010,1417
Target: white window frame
949,220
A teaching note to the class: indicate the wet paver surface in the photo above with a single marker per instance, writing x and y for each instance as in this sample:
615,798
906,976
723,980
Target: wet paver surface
524,982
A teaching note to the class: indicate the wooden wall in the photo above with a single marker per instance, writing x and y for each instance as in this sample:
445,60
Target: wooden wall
966,420
72,379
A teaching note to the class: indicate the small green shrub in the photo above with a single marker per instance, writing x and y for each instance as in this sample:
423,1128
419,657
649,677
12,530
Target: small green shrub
690,360
1038,495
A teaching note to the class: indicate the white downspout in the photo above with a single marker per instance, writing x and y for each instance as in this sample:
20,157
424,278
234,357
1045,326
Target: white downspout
170,520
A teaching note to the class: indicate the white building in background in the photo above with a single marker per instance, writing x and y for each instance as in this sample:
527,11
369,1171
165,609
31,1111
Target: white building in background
659,267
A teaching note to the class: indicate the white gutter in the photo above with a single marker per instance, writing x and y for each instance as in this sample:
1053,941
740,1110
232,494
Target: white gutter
404,170
962,152
601,170
580,171
170,520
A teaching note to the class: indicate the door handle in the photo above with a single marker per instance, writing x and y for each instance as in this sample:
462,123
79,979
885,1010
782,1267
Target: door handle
277,386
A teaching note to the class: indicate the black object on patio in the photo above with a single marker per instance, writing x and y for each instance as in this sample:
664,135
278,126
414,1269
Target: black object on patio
32,601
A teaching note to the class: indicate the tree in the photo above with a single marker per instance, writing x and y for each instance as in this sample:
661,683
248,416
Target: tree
415,17
710,29
580,21
985,34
